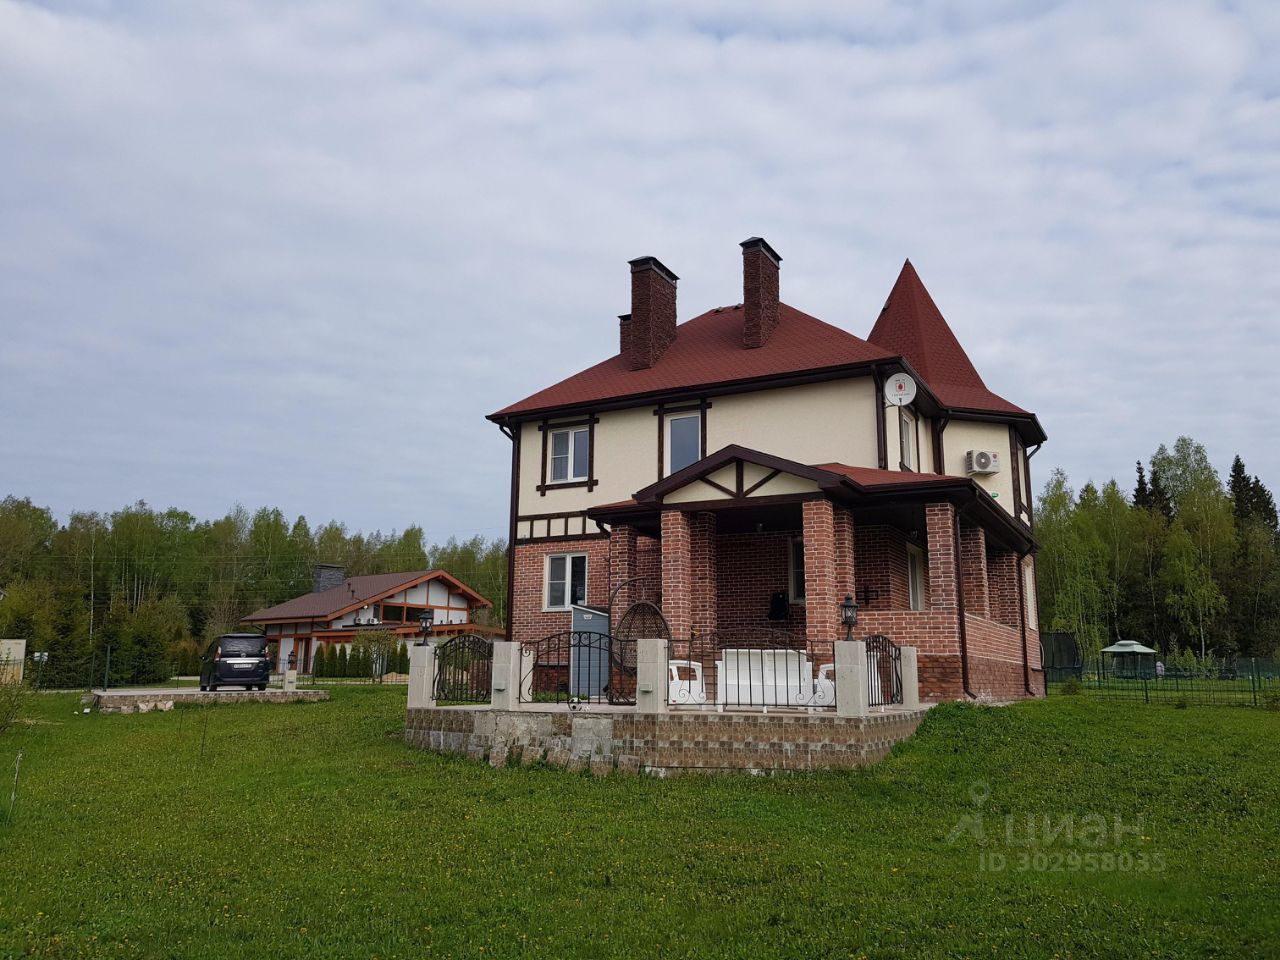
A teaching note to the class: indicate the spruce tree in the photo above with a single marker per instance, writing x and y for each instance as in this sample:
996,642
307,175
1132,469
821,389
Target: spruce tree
1142,492
1160,499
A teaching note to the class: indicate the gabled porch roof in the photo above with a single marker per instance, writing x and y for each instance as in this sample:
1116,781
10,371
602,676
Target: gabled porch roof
737,477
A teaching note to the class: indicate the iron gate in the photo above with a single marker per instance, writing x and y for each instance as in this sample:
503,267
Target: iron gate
464,670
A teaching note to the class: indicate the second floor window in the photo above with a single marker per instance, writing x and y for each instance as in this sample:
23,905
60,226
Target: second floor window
570,454
684,441
907,438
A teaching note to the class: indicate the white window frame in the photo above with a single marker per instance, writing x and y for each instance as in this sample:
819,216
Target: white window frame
792,595
671,418
915,578
572,467
568,579
908,455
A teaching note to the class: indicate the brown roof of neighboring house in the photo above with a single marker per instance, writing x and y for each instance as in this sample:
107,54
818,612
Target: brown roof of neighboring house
708,350
356,592
910,325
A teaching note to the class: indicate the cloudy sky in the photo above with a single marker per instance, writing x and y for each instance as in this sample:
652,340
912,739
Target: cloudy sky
292,254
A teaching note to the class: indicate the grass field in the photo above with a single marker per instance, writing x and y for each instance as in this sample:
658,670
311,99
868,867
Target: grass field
310,830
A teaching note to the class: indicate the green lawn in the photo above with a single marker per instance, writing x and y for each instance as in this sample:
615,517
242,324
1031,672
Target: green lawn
310,830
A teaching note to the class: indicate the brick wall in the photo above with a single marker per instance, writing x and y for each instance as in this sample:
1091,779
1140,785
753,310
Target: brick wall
822,614
881,565
677,572
702,568
939,520
528,620
973,567
1002,585
846,565
750,568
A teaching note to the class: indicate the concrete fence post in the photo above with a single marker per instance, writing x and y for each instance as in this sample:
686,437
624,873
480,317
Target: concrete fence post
422,676
910,679
505,692
651,676
852,695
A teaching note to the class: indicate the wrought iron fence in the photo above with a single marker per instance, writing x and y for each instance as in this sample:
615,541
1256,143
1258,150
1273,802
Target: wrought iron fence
464,670
578,666
1247,683
884,671
751,668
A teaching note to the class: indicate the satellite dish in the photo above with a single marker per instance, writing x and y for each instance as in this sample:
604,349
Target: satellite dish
899,390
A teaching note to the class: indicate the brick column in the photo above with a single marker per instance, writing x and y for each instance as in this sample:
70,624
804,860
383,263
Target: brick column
1002,586
677,573
845,567
973,567
622,565
821,613
939,525
702,583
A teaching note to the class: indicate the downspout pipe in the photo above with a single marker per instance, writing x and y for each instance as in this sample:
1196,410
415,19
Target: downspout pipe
964,633
1022,622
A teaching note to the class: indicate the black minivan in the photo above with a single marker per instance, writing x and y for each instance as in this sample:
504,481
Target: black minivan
236,659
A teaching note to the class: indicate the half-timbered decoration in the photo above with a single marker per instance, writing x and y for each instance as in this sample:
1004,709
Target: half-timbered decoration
340,607
748,469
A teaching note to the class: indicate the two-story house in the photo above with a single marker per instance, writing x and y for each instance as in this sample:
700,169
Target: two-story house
746,468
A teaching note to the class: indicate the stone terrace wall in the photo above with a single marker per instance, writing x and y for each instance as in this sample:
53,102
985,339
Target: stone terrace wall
662,743
162,700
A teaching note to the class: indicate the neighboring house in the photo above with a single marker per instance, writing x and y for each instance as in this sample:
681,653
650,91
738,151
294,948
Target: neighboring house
340,607
748,468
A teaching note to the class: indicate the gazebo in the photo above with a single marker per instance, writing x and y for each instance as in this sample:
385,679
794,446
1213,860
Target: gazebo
1130,660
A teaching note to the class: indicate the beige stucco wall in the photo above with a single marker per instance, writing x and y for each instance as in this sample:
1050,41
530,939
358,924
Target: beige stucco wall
962,436
831,422
813,423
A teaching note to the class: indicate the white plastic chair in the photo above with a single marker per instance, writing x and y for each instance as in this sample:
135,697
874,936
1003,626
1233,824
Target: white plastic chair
824,688
681,690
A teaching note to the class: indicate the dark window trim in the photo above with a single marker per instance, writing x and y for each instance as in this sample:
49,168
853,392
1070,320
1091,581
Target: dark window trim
662,411
546,428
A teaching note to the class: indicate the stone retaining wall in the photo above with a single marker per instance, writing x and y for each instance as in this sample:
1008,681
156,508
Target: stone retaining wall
142,702
662,743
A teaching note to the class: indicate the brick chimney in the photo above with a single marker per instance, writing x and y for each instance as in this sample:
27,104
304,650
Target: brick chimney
648,330
760,264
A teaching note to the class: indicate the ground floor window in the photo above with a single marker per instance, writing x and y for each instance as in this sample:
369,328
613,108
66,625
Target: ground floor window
915,578
566,580
796,570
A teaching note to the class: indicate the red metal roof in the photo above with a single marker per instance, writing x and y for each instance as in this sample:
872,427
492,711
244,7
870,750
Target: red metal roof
356,591
708,350
911,326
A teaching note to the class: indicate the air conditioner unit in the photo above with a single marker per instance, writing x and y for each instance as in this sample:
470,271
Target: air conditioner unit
982,461
358,621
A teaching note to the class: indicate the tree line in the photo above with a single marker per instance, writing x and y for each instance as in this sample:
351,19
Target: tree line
157,585
1181,562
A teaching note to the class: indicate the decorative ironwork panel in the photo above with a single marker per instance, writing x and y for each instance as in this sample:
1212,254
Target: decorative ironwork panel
884,671
642,621
578,666
464,670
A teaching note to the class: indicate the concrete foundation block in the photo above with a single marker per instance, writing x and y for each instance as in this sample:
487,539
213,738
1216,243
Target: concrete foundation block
498,755
601,766
628,764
